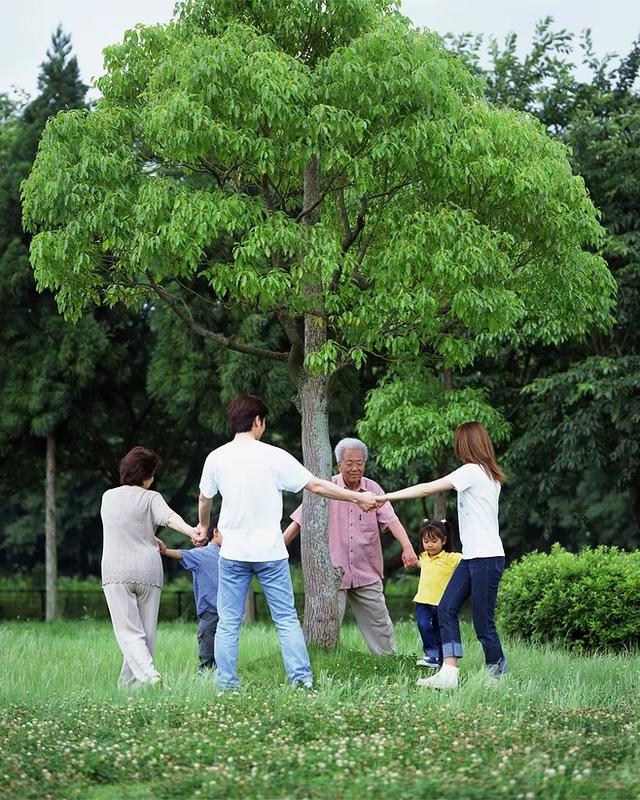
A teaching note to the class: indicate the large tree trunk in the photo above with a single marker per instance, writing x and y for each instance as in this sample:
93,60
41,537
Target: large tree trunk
51,544
321,579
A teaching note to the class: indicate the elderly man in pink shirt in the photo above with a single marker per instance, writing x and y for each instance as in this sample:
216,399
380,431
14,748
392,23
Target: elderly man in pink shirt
354,544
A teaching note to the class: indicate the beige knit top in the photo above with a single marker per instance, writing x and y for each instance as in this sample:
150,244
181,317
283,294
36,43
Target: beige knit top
130,516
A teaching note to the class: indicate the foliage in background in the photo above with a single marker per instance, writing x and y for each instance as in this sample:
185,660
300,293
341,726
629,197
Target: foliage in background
574,456
332,168
573,463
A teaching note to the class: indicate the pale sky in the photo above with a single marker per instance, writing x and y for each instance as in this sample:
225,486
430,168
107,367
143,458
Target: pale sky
26,26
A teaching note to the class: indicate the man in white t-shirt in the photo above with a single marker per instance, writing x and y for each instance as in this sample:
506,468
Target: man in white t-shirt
251,476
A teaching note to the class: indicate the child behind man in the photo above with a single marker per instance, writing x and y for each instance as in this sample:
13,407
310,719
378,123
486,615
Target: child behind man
437,565
203,565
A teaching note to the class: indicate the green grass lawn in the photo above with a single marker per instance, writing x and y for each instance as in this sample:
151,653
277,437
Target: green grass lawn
559,726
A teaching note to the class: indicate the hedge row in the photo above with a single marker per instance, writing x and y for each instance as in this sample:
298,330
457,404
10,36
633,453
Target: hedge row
589,600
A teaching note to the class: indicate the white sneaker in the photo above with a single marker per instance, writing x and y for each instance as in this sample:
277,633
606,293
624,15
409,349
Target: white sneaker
447,678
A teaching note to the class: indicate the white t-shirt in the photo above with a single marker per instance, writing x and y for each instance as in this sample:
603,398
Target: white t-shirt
478,496
251,477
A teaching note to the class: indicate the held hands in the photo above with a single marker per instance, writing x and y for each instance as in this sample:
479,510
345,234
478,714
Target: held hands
366,501
409,557
199,537
161,546
381,499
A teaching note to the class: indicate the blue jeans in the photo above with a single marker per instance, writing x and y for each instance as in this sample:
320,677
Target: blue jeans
477,578
233,587
207,624
427,619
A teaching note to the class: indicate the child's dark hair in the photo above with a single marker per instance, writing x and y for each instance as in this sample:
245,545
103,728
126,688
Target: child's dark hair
213,524
435,529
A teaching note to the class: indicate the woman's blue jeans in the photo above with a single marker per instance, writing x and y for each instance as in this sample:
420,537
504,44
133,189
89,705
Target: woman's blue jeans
233,587
477,578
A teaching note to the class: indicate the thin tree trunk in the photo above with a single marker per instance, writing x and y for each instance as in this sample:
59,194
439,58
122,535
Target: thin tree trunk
440,499
51,545
440,506
321,579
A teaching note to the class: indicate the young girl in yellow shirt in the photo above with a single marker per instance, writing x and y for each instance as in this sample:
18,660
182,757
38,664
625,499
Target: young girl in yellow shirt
437,564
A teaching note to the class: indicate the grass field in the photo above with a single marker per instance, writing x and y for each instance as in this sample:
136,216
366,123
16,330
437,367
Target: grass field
559,726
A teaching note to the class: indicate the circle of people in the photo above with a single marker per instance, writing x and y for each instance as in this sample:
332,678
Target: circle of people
247,540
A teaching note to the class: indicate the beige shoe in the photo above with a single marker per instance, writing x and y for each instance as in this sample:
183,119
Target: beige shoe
447,678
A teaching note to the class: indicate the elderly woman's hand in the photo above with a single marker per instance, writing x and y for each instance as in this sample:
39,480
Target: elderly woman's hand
161,545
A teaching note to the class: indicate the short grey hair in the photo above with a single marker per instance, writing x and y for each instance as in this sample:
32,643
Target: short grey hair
350,444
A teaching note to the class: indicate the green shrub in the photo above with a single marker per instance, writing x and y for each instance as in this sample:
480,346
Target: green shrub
587,600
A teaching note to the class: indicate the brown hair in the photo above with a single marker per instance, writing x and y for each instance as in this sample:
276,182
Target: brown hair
473,446
138,465
435,529
243,409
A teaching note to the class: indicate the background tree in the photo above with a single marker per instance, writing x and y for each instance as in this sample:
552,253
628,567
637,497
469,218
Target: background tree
36,379
575,442
329,166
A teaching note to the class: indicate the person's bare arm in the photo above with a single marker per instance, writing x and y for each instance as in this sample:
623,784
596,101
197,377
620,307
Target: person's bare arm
290,533
366,500
176,523
418,490
409,557
204,514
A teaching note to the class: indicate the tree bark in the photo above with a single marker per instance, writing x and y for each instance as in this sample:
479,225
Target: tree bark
440,499
321,579
51,545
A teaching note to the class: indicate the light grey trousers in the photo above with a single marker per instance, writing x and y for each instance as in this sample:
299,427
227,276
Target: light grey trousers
134,614
370,610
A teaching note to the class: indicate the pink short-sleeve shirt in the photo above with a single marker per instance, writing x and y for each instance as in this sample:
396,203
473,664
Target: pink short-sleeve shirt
354,535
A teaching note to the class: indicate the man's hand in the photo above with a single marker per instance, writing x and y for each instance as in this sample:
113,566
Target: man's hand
366,501
161,545
409,557
199,537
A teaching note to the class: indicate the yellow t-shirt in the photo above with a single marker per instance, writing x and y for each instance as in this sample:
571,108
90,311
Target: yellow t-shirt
434,576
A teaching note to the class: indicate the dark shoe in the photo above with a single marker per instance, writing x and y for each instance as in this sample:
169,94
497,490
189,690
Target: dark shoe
498,669
430,663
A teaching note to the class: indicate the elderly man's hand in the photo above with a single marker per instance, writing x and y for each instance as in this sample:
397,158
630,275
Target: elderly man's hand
366,501
409,558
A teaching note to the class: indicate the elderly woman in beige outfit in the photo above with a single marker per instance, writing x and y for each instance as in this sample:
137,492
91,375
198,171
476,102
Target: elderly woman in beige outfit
131,563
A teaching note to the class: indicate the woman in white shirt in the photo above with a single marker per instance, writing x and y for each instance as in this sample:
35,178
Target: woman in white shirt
477,482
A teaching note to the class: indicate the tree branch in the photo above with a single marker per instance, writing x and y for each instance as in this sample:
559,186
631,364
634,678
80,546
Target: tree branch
181,310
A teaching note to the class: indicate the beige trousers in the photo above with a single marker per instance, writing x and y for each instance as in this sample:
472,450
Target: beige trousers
370,610
134,615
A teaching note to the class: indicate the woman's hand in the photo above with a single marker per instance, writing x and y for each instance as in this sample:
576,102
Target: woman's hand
161,545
